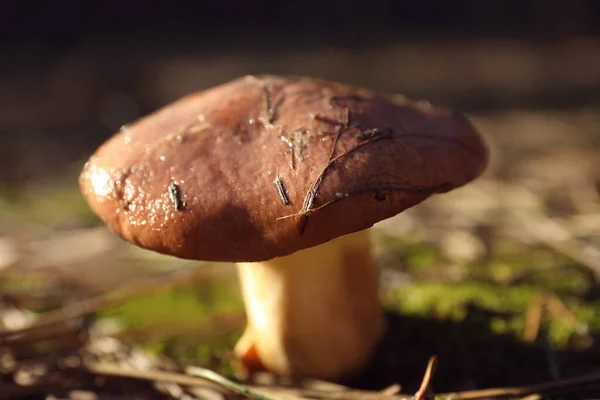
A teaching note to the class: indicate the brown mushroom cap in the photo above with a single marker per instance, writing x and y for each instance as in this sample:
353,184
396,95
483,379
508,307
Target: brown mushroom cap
196,179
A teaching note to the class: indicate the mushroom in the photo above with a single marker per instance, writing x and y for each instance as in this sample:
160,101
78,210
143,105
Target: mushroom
283,176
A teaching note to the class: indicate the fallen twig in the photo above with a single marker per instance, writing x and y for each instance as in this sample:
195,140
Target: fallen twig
557,387
421,394
533,318
229,384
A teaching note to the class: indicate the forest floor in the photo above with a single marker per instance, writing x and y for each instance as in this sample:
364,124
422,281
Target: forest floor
499,279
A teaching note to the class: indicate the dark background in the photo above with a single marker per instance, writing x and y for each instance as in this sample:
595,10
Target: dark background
65,23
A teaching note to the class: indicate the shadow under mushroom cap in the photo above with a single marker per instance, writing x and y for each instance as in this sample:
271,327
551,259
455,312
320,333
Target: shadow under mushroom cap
263,166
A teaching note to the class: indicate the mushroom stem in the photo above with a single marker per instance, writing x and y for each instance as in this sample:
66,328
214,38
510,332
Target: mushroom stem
313,313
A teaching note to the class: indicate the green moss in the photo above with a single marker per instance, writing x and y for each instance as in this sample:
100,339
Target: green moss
590,314
410,255
421,256
444,298
536,267
180,306
184,308
58,204
501,308
188,350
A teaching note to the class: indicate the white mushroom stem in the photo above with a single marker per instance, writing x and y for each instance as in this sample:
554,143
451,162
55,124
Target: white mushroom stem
313,313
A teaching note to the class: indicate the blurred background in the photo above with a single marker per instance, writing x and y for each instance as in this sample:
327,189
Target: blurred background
499,278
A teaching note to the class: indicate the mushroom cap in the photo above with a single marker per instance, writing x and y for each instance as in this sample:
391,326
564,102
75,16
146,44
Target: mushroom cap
263,166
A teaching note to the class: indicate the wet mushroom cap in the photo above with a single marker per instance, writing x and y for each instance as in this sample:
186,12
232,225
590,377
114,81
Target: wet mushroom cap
263,166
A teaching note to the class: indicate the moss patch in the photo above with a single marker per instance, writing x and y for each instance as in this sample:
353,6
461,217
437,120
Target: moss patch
50,205
501,309
184,311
